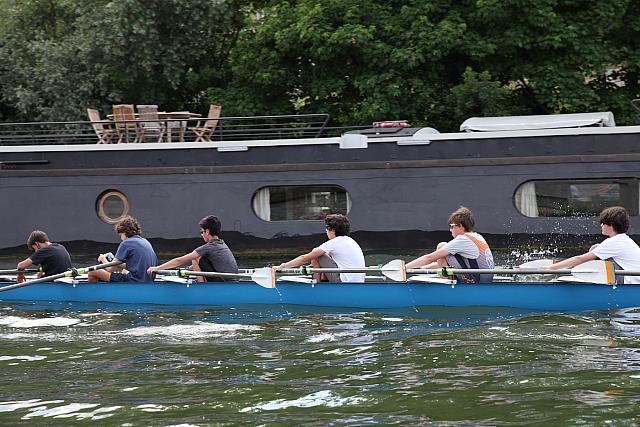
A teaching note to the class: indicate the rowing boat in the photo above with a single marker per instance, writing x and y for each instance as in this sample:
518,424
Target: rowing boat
589,286
561,296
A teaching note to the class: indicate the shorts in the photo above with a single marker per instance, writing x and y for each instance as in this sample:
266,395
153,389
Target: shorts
119,277
206,266
325,261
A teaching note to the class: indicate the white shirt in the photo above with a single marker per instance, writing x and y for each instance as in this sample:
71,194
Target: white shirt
346,253
623,251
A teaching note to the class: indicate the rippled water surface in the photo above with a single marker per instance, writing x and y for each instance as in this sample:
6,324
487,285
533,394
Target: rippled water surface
75,364
283,365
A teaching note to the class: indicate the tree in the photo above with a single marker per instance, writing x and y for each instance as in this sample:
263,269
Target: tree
61,56
359,61
432,62
365,61
561,56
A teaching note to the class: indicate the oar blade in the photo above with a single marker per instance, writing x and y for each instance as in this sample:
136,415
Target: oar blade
395,270
265,277
595,271
538,263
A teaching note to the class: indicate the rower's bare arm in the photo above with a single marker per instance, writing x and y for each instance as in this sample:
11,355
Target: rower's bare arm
572,262
24,264
184,259
303,259
428,258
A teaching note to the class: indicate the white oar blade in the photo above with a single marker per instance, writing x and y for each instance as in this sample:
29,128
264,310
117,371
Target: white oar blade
296,279
172,279
595,271
395,270
265,277
538,263
430,278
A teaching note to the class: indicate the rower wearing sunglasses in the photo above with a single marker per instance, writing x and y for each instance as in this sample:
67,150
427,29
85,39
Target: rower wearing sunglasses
468,249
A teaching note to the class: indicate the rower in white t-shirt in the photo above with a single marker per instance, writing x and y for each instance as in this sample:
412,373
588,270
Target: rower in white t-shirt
619,247
339,251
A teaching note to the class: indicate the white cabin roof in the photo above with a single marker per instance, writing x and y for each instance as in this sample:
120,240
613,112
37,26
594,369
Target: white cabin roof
552,121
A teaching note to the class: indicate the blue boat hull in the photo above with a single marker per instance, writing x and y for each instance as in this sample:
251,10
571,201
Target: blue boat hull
539,296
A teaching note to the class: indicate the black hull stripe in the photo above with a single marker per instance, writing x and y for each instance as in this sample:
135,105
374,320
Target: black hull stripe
350,165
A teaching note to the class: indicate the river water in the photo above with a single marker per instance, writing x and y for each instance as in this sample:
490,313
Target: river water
75,364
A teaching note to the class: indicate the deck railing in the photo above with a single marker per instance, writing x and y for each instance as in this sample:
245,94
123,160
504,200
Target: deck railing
227,129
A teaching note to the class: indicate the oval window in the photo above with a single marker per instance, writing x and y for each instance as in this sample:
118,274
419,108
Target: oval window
576,197
112,206
293,203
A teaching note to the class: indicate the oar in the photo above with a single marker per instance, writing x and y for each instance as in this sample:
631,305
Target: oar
394,270
537,263
595,271
264,276
69,273
16,271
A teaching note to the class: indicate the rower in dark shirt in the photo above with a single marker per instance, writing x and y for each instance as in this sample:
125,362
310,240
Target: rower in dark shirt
214,255
53,258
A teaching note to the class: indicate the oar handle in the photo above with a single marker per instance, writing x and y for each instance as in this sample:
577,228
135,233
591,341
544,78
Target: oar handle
181,272
627,273
74,272
448,271
17,271
84,270
306,270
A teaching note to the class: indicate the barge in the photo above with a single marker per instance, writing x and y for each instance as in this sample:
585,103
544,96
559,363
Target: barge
528,180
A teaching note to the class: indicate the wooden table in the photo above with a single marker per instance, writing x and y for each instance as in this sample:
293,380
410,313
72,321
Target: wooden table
176,119
172,120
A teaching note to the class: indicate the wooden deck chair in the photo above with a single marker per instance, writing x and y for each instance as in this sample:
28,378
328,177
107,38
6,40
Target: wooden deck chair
153,128
124,116
102,128
204,128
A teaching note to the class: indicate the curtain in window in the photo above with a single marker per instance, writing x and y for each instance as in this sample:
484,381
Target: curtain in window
526,201
262,204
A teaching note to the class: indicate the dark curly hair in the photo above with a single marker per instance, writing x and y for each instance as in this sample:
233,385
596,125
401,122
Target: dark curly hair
129,226
615,216
338,223
211,223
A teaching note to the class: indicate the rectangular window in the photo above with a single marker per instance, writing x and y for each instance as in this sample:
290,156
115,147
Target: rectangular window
300,202
567,198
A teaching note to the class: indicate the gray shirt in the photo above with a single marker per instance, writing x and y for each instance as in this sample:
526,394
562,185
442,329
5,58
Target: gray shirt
464,246
216,256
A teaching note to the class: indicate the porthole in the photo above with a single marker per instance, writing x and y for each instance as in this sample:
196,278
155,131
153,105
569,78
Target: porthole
112,206
300,203
576,197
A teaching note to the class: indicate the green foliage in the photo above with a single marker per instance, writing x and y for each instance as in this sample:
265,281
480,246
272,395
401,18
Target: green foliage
478,95
93,53
366,61
432,62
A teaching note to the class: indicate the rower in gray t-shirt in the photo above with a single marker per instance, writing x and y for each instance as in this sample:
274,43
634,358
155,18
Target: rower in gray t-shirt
215,255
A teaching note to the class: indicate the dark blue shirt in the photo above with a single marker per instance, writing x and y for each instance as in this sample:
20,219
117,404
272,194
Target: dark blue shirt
139,255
